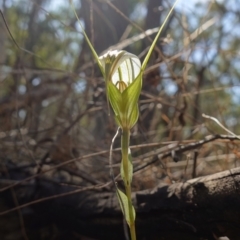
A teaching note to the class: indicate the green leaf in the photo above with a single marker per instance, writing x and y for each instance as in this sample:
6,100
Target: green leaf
130,168
95,55
115,98
156,38
124,203
130,97
134,116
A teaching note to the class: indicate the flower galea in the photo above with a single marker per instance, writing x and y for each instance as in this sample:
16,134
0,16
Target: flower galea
123,75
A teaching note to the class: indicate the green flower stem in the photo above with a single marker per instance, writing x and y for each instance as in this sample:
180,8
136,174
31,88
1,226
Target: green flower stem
125,145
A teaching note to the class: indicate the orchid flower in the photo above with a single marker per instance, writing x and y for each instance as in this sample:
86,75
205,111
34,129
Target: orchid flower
123,77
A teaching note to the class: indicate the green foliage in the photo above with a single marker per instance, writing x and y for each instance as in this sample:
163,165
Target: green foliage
124,203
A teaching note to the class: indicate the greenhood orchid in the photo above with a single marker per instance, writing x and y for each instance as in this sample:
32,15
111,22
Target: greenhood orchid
123,72
123,76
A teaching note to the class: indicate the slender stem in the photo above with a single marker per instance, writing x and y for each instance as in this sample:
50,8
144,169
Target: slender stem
127,180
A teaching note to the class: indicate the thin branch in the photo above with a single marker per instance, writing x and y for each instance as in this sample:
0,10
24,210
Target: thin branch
215,120
182,149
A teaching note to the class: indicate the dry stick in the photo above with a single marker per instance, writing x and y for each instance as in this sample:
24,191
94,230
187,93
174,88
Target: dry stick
215,120
230,156
99,186
188,147
194,164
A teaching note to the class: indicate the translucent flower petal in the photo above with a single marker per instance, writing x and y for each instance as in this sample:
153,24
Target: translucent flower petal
127,71
120,67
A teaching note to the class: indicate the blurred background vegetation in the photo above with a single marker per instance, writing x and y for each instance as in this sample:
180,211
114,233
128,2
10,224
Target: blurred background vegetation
53,107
